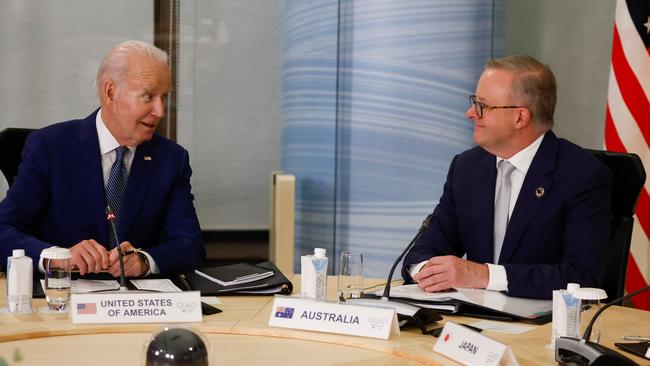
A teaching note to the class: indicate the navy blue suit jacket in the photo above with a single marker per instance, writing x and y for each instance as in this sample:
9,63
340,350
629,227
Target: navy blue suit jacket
58,198
551,240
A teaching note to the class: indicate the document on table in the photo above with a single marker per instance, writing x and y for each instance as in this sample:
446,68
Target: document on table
501,327
82,286
158,285
525,308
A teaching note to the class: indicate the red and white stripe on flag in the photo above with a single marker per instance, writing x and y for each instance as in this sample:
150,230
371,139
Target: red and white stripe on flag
627,123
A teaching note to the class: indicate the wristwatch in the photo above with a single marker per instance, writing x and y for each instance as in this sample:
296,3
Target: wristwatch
146,262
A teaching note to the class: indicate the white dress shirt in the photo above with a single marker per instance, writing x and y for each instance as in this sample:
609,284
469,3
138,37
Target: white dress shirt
4,187
107,146
498,280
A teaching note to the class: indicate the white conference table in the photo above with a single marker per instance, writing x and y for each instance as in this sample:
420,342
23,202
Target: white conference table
240,335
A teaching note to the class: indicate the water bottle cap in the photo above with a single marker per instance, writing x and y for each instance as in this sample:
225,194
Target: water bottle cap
56,253
18,253
319,252
572,287
589,293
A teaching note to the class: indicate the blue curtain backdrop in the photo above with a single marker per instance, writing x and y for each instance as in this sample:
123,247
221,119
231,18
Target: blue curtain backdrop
374,96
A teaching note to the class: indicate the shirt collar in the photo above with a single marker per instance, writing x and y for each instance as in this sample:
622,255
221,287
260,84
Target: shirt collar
524,158
107,141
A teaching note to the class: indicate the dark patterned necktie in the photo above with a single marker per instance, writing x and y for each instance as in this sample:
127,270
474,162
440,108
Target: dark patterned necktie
116,188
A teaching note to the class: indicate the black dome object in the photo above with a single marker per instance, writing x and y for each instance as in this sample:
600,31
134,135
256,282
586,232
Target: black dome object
177,347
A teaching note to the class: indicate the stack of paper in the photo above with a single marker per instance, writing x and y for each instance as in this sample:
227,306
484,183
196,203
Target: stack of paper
235,274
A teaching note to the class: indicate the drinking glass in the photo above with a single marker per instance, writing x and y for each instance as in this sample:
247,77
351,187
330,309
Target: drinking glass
350,283
58,279
591,302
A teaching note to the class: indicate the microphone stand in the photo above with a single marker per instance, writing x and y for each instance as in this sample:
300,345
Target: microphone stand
111,217
584,352
587,334
425,225
413,314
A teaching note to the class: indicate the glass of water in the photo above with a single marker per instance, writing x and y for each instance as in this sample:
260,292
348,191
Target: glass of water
58,279
350,283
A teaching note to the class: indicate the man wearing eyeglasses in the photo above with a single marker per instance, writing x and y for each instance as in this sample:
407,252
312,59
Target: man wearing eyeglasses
529,210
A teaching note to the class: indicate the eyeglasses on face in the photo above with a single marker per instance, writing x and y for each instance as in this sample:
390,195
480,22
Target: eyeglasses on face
480,106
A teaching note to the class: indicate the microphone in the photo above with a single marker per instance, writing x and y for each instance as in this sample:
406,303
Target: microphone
111,217
407,314
425,225
574,351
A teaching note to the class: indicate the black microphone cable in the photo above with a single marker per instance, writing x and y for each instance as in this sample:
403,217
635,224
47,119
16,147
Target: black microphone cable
425,225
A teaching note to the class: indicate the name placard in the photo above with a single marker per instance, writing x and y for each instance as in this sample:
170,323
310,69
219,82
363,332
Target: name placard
136,307
307,314
472,348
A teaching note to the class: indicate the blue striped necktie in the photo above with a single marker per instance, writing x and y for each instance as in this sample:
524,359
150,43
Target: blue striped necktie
116,188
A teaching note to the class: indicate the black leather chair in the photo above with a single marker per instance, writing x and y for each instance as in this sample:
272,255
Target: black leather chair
12,141
628,177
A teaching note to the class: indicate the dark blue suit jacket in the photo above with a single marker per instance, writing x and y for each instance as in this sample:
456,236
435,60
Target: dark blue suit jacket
551,240
58,198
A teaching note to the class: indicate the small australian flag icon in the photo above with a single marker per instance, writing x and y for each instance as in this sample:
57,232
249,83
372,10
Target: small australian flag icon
284,312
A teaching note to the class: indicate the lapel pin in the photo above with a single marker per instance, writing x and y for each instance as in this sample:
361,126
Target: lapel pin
539,192
148,158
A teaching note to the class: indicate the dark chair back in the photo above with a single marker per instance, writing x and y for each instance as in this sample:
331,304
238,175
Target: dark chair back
12,142
628,177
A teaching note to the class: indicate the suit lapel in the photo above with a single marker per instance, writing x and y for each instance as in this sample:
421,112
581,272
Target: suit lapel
483,181
139,179
90,171
538,175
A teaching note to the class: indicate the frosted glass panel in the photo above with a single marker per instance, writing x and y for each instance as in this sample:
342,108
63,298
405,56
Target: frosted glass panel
229,112
386,99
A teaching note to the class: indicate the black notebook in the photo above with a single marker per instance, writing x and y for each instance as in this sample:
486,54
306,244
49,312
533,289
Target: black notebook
276,283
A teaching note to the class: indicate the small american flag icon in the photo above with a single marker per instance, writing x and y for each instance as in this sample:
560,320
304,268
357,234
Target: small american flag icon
88,308
284,312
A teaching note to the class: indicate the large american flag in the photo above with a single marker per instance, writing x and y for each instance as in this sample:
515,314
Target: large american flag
627,124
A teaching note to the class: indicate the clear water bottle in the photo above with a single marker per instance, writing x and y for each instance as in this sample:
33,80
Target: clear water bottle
19,282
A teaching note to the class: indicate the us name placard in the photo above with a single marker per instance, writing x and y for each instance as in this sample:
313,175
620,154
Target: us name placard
306,314
136,307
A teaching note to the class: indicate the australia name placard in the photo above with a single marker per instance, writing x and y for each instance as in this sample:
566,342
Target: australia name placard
306,314
136,307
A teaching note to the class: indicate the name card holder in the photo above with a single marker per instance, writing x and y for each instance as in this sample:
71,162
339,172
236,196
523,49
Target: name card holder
136,307
307,314
468,347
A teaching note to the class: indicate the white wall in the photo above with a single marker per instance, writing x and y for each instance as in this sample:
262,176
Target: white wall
51,51
575,38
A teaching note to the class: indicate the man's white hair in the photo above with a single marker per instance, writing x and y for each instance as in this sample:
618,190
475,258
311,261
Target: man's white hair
115,64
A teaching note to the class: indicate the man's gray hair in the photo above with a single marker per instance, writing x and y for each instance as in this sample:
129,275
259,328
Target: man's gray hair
534,85
115,64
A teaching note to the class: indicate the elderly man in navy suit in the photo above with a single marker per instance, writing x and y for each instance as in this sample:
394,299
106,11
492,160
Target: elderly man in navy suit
71,172
530,211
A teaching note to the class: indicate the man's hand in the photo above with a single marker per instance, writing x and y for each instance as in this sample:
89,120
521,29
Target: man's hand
134,264
89,256
444,272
